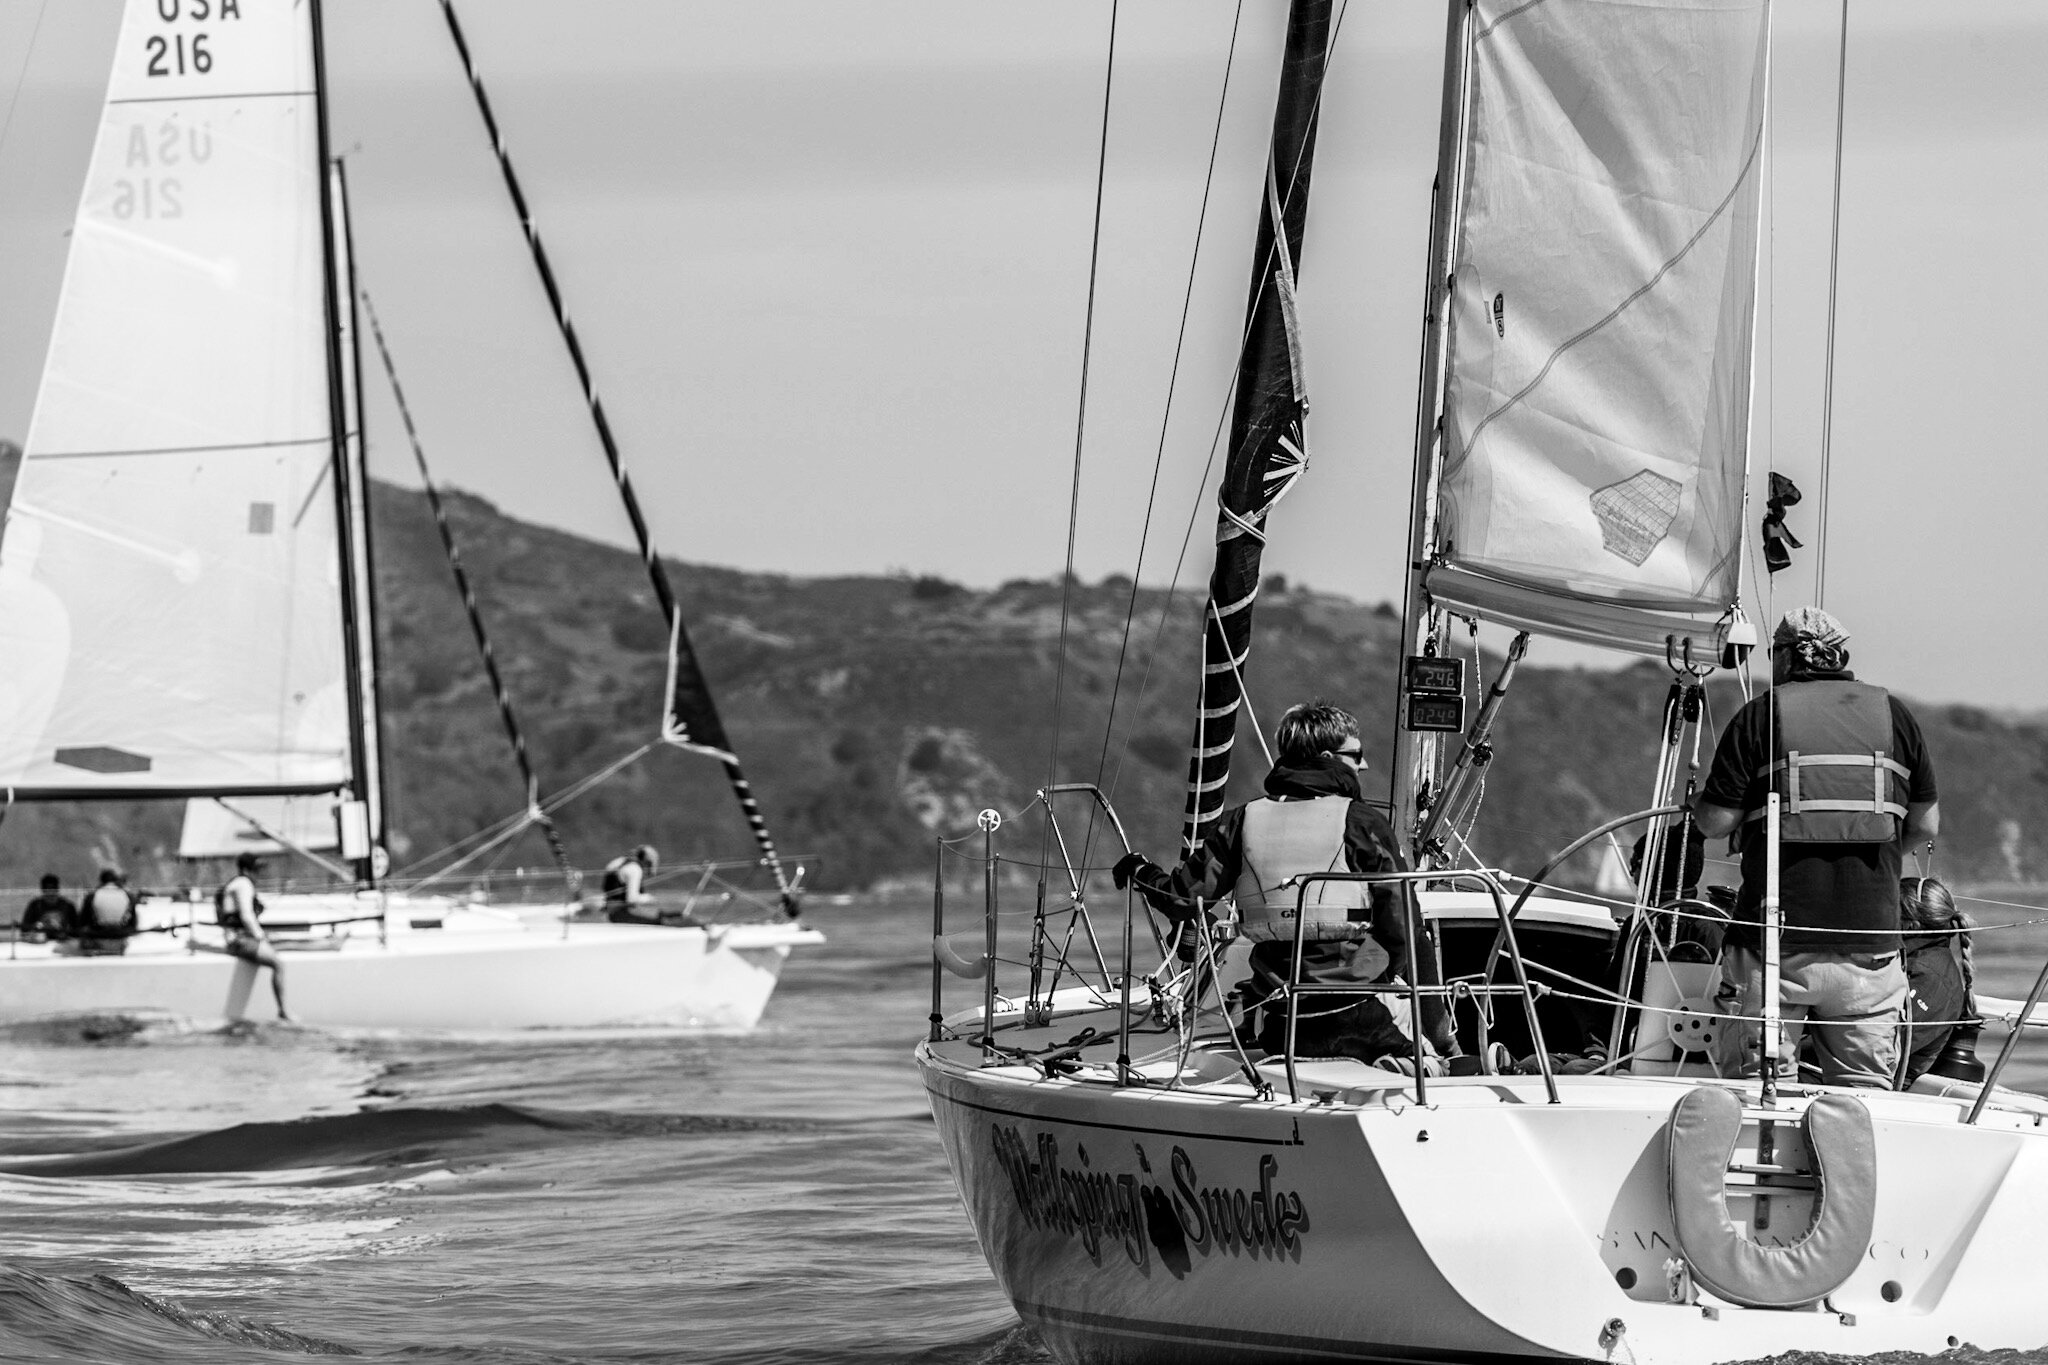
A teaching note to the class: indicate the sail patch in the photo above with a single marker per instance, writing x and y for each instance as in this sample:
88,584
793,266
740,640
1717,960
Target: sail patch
103,758
1636,514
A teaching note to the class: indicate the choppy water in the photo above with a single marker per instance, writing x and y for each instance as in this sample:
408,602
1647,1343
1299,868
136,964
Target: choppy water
270,1193
252,1195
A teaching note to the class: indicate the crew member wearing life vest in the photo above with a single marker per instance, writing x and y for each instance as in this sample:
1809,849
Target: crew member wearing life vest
1310,820
1855,785
239,911
625,880
108,916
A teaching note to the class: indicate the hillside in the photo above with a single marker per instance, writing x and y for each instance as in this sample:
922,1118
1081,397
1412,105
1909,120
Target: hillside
873,711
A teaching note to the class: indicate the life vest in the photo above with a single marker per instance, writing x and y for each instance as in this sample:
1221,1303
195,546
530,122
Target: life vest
1283,840
1834,773
227,914
106,909
615,880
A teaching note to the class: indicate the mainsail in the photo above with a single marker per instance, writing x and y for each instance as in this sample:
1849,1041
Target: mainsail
251,824
171,604
1268,450
1595,422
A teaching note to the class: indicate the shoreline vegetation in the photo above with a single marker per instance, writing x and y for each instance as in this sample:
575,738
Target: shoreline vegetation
877,712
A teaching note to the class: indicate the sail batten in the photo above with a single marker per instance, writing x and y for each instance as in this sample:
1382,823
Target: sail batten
1595,421
170,601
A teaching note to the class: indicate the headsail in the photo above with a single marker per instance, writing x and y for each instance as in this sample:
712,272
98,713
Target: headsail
169,602
1595,425
1268,450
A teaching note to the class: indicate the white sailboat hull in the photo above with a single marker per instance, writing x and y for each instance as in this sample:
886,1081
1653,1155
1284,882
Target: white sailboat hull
1487,1224
501,973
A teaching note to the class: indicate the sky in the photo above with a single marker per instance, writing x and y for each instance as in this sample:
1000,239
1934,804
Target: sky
831,260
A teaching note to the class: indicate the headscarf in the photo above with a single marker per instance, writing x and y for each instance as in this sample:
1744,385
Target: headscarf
1815,638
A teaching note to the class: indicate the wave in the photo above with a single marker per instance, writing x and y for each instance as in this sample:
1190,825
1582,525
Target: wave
104,1027
380,1138
100,1318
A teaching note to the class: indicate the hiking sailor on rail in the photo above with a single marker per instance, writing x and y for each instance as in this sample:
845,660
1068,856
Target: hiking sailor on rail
108,916
1312,819
1856,783
239,911
50,915
626,900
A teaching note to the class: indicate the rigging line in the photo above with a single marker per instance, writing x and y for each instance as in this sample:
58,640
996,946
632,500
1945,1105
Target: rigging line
1166,417
1223,414
1827,388
1052,766
27,57
550,804
657,575
499,691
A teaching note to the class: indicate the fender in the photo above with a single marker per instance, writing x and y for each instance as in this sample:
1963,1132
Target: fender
1704,1126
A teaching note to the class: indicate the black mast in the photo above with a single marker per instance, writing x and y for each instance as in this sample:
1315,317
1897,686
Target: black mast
1267,448
337,421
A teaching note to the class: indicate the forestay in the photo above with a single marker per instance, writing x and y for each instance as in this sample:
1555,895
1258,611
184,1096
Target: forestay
1595,433
170,604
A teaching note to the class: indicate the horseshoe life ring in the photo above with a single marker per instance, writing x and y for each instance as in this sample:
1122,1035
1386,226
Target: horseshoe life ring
1704,1127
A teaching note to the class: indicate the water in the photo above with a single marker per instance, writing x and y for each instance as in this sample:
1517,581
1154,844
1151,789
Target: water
258,1194
270,1193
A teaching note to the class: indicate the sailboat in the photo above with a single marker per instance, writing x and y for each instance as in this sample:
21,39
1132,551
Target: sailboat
185,589
1147,1186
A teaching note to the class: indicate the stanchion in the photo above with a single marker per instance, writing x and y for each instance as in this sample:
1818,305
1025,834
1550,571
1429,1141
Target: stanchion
938,933
990,821
1774,1024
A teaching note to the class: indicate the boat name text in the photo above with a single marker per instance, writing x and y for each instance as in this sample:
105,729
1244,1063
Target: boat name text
1135,1211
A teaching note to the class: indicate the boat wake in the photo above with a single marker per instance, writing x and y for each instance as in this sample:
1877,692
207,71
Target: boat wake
379,1139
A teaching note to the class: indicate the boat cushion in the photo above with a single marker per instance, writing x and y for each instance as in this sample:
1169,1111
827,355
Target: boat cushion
1704,1127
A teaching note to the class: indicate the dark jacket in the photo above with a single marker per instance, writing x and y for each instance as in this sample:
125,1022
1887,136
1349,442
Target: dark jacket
51,915
1939,973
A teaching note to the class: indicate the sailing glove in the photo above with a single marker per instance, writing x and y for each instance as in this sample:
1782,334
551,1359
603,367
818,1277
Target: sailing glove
1126,868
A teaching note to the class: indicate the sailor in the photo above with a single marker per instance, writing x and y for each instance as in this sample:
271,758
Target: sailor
239,911
108,916
1312,819
1855,785
49,915
1940,971
625,887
